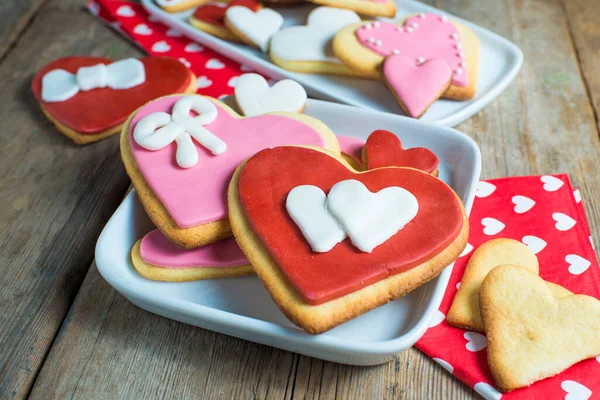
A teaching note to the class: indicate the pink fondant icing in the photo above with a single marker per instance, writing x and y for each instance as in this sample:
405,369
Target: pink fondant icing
423,37
157,250
403,75
198,195
351,146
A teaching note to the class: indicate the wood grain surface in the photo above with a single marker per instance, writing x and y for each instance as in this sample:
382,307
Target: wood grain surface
65,334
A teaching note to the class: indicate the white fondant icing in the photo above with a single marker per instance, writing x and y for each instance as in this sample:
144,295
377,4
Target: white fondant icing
306,205
254,96
257,26
60,85
159,129
313,41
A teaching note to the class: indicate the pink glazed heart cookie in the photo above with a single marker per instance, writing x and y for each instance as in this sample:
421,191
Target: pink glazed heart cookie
155,258
421,38
181,151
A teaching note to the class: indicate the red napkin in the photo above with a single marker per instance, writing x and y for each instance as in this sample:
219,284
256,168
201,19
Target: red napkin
546,214
543,212
216,73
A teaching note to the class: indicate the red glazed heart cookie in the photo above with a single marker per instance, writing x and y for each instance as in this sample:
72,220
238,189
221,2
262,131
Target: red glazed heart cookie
69,85
384,149
403,227
181,151
210,17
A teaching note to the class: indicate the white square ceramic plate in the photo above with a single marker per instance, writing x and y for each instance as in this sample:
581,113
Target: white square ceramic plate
242,307
499,62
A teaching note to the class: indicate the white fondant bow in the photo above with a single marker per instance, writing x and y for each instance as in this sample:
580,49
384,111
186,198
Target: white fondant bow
157,130
60,85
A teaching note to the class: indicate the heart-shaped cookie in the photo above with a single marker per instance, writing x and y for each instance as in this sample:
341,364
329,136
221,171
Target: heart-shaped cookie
174,6
531,334
384,149
154,257
422,37
307,49
416,85
210,17
465,312
254,96
187,202
253,27
372,8
106,108
321,290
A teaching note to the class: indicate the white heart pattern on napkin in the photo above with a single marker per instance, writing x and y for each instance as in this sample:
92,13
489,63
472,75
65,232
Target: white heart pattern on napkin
370,219
142,29
203,82
484,189
445,364
575,390
466,250
551,183
563,221
522,204
437,319
534,243
475,341
125,11
487,391
577,264
254,96
492,226
161,47
214,63
193,48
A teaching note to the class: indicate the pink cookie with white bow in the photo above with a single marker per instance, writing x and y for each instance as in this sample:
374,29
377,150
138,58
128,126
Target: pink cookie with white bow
422,58
155,258
181,151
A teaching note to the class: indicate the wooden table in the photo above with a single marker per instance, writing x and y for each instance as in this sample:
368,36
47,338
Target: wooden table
64,332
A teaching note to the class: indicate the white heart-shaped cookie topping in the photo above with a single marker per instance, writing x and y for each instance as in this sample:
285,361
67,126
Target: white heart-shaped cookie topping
254,96
258,26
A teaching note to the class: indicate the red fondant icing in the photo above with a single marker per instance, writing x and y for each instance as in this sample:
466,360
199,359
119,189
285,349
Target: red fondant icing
215,14
98,110
271,174
384,149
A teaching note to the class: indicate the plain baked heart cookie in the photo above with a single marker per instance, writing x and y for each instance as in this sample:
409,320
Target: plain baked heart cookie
181,164
106,108
307,49
154,257
364,46
384,149
532,335
210,18
254,96
301,280
465,312
371,8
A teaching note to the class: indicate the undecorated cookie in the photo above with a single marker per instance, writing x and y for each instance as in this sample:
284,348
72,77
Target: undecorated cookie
154,257
300,213
108,91
254,96
181,164
531,334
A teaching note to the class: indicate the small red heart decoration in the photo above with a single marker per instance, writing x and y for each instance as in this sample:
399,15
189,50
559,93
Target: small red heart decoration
384,149
99,110
268,177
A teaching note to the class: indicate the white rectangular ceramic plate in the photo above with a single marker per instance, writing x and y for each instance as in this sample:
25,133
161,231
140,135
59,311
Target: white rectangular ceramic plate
499,62
242,307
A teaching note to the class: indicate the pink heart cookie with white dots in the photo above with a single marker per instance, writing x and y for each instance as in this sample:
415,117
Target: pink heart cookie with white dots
430,47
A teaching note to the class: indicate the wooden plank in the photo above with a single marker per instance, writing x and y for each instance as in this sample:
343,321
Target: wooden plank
585,31
15,16
540,124
56,196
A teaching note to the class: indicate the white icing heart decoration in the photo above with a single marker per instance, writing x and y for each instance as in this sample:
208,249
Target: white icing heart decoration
522,204
370,219
193,48
467,250
551,183
307,205
313,41
563,221
161,47
577,264
534,243
254,96
484,189
174,33
492,226
142,29
233,81
475,341
437,319
575,390
577,195
203,82
214,63
444,364
257,26
487,391
125,11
